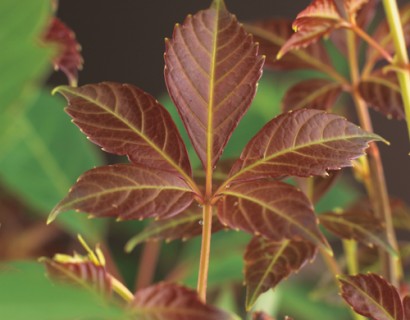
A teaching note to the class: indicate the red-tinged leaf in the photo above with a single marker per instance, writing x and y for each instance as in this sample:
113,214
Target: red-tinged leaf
372,296
353,7
358,225
269,262
272,35
263,316
127,191
273,209
406,306
88,271
184,226
124,120
301,143
319,19
318,94
382,92
69,59
167,301
383,37
211,69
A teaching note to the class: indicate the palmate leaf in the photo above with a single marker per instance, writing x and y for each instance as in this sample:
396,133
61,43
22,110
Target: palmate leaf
317,20
184,226
372,296
69,59
272,35
127,191
272,209
124,120
318,94
358,225
211,71
382,93
167,301
269,262
301,143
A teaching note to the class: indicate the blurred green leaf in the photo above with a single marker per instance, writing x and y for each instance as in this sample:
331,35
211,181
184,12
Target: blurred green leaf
26,293
41,156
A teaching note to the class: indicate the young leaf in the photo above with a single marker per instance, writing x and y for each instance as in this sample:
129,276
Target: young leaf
269,262
301,143
124,120
272,35
353,7
372,296
382,92
127,191
167,301
317,20
273,209
358,225
211,70
318,94
69,58
185,225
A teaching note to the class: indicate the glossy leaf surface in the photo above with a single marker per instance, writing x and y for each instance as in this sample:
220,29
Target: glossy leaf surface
358,225
167,301
269,262
184,226
382,92
272,209
301,143
211,70
272,35
318,94
69,59
372,296
127,192
124,120
316,21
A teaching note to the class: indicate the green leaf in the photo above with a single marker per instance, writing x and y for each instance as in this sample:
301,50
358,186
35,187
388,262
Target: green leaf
127,191
35,164
211,70
372,296
269,262
301,143
26,293
167,301
272,209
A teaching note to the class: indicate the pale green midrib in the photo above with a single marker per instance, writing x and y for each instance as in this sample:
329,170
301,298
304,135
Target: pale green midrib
209,142
119,189
267,271
359,228
370,298
278,212
157,229
296,148
383,82
135,130
317,93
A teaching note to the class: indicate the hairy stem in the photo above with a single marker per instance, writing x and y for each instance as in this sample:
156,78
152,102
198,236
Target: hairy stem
376,184
149,258
401,58
205,250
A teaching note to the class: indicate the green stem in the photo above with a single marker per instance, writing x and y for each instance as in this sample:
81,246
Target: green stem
401,57
205,251
376,183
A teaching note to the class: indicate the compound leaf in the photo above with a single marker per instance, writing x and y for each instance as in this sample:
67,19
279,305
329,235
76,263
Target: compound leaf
318,94
301,143
127,191
211,69
272,209
372,296
124,120
167,301
269,262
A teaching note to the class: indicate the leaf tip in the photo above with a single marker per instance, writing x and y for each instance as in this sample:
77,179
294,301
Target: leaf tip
130,245
53,215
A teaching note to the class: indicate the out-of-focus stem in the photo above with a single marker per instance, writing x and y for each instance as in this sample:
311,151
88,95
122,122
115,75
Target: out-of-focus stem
147,266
